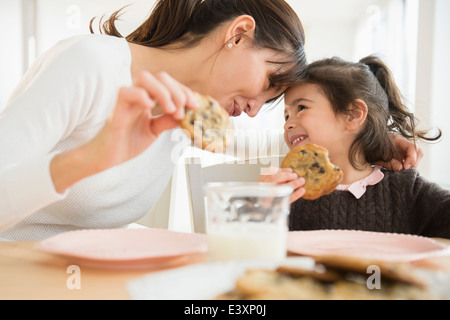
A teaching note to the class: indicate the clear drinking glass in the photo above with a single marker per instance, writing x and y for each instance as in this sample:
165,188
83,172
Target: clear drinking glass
247,220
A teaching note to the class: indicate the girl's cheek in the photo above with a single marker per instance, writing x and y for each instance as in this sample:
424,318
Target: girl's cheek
286,140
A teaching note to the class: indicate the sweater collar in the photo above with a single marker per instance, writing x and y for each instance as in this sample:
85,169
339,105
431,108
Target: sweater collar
358,188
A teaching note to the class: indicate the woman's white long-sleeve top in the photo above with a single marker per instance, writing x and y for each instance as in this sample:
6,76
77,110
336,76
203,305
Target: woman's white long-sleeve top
62,103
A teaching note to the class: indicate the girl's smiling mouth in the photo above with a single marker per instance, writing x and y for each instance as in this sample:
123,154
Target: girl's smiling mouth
296,140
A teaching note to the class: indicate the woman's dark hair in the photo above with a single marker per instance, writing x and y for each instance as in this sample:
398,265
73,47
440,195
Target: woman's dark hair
184,23
369,80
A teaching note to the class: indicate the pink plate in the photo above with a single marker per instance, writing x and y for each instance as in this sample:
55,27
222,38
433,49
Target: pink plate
363,244
126,248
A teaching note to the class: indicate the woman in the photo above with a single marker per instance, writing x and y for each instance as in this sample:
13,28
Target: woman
86,146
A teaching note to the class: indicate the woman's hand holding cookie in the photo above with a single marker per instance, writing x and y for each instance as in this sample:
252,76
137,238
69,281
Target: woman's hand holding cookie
133,127
130,129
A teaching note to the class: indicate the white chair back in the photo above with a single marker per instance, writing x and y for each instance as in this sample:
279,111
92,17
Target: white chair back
197,176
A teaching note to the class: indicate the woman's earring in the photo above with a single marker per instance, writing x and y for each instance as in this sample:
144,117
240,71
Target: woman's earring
230,45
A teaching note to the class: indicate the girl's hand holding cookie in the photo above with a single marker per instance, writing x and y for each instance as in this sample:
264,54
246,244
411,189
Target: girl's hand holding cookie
312,162
284,176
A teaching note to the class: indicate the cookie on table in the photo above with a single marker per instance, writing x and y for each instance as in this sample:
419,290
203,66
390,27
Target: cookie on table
397,272
207,126
312,163
340,283
260,284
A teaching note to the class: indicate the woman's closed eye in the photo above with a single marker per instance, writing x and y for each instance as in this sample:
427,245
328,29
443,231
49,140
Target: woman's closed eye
277,90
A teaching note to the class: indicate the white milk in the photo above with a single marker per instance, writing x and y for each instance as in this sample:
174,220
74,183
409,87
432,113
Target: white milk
247,240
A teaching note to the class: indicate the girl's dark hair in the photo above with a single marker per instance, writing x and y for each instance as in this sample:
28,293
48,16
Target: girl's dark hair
184,23
370,80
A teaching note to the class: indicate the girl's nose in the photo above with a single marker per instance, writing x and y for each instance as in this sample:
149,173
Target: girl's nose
289,125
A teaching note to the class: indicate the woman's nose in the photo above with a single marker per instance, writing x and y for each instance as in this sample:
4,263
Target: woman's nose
252,108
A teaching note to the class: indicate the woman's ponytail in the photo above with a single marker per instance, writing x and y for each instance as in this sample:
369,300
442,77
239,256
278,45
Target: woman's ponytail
156,32
184,23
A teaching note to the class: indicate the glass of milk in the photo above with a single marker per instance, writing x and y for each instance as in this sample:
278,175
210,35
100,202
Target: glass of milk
247,220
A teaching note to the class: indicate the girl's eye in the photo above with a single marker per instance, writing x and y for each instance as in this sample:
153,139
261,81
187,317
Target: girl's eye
301,108
286,117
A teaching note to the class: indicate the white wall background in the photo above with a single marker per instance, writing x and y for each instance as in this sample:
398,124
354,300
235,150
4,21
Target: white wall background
411,35
11,54
432,85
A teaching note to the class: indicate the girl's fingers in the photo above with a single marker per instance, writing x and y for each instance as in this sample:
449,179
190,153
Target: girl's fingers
285,177
297,183
278,176
297,194
270,171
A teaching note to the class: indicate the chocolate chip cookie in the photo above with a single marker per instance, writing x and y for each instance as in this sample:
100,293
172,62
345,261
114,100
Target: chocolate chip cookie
312,163
207,126
336,282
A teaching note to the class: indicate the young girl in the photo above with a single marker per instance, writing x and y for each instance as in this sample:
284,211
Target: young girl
352,109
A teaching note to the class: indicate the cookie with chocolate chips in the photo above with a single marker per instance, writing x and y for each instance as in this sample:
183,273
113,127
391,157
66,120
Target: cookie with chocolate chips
207,126
312,163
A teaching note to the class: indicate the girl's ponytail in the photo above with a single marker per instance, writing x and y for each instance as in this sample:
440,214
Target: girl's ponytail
401,120
371,81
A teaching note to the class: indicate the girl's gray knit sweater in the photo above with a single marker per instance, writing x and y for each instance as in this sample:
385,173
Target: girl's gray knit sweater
403,202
